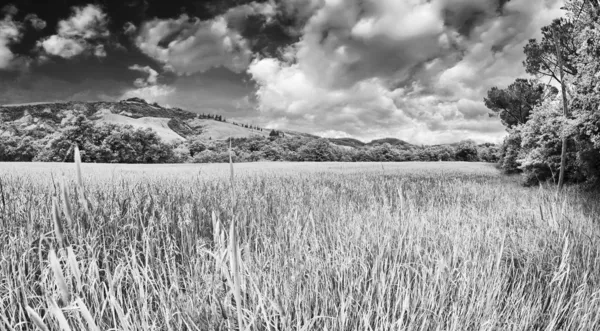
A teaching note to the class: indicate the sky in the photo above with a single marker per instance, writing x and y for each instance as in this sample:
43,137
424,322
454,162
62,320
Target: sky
416,70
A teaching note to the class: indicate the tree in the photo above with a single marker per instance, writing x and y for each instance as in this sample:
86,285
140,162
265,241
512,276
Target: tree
21,149
541,57
109,143
563,155
466,151
510,151
196,147
276,134
515,103
319,150
541,144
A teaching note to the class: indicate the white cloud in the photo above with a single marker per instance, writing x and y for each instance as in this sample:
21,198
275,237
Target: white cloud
83,31
415,69
85,22
99,51
10,32
154,93
186,45
148,88
240,13
152,78
63,47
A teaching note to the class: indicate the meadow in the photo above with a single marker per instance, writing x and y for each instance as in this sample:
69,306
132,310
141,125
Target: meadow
294,246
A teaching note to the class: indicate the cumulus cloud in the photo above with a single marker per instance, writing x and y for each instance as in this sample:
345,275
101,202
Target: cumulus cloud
63,47
237,15
10,32
152,78
188,45
85,22
83,31
99,51
36,22
416,69
148,88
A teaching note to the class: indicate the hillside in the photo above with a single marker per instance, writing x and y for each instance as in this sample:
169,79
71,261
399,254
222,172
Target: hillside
171,124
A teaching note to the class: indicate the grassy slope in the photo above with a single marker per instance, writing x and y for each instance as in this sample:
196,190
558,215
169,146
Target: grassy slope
223,130
449,246
169,123
158,124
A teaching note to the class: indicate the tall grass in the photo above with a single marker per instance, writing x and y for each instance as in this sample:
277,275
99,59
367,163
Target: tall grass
322,250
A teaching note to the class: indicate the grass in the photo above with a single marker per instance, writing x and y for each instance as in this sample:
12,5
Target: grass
410,246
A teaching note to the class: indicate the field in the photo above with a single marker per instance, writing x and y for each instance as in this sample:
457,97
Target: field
294,246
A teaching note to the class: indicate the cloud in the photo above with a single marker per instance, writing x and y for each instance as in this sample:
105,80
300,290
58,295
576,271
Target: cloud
87,22
236,16
148,88
63,47
152,78
35,21
188,45
84,31
10,32
416,69
129,28
154,93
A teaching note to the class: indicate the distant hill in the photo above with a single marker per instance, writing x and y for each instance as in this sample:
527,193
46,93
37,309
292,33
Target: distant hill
348,142
391,141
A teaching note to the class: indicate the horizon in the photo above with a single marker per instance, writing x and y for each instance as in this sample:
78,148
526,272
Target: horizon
416,71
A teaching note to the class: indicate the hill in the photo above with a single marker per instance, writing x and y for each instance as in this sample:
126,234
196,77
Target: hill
347,142
391,141
171,124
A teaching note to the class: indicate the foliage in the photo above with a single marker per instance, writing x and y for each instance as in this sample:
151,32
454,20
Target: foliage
16,148
510,152
106,143
276,134
515,103
466,151
542,143
534,146
541,57
122,144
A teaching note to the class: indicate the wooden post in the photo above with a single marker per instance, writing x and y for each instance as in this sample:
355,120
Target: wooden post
563,154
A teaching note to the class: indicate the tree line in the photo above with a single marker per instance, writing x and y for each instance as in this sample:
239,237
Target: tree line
111,143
